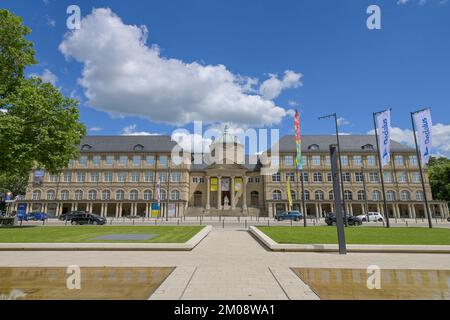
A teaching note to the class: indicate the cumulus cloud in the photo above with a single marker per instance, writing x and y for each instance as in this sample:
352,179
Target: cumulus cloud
342,121
95,129
272,87
46,76
191,142
441,138
124,76
131,131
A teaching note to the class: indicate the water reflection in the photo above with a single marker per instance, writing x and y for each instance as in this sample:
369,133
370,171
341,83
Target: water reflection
351,284
99,283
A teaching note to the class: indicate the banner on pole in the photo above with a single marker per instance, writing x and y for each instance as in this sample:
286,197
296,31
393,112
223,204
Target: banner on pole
156,209
289,194
298,142
384,136
237,184
214,182
424,124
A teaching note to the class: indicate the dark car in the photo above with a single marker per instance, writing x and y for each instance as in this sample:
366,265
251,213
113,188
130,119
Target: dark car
330,220
289,215
88,218
37,216
68,216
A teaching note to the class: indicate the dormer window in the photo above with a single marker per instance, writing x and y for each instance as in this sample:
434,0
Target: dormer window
86,147
367,147
313,147
138,147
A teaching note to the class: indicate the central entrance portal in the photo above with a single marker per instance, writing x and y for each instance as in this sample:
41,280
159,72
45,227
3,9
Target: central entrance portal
226,194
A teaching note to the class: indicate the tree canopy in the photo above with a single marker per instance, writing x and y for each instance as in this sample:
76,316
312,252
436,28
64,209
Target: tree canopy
439,176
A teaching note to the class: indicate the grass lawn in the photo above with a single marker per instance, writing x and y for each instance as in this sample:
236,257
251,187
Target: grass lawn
357,235
167,234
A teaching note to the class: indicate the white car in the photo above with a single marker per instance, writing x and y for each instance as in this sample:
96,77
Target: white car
373,216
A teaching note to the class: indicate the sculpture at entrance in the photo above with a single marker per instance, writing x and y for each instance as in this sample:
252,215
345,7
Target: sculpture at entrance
226,203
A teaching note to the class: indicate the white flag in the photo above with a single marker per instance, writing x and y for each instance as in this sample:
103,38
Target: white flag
423,124
384,136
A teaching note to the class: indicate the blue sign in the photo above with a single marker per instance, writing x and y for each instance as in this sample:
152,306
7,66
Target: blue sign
21,208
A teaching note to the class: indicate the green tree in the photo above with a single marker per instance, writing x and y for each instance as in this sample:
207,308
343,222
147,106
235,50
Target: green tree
439,176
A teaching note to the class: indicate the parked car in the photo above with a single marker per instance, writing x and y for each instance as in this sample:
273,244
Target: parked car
373,216
330,220
37,216
88,218
68,216
289,215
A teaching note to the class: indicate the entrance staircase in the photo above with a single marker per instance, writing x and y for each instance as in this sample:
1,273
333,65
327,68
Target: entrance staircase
214,212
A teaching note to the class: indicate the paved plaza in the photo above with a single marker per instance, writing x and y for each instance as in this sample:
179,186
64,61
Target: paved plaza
228,264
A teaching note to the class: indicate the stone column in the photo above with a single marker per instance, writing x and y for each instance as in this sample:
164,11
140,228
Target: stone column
208,192
317,210
219,192
244,192
232,193
320,210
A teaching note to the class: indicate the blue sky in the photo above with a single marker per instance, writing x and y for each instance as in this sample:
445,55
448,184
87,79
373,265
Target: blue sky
336,64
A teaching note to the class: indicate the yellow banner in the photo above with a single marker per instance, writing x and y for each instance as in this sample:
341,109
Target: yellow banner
214,183
237,184
289,194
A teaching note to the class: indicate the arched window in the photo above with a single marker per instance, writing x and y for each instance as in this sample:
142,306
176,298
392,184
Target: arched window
36,195
331,195
175,195
367,147
390,195
376,195
134,195
78,195
138,147
148,195
293,195
276,195
348,195
106,195
51,195
319,195
86,147
163,195
420,196
405,195
92,195
313,147
361,195
65,195
307,195
120,195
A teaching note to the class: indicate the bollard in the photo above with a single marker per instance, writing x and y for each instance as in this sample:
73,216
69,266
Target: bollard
245,223
223,223
43,222
21,222
239,219
111,221
314,223
406,223
156,220
133,222
291,222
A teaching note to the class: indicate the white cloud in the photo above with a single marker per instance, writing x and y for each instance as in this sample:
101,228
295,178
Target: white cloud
123,76
441,138
50,22
131,131
272,87
95,129
342,121
191,142
46,76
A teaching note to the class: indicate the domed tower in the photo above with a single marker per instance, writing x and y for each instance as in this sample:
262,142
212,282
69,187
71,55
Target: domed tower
227,149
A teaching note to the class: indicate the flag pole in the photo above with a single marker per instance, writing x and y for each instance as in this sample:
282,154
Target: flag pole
298,160
419,161
386,212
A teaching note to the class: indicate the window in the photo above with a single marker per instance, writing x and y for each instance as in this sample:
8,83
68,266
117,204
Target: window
175,195
289,160
196,179
373,177
313,147
135,176
138,147
86,147
305,177
150,160
367,147
120,195
305,160
401,177
420,196
78,195
92,195
390,195
359,177
329,177
399,161
163,195
175,176
95,176
405,195
348,195
327,160
371,161
109,160
357,160
319,195
96,160
276,177
123,160
346,177
67,176
387,177
163,176
81,176
276,195
108,176
376,195
54,178
306,195
136,161
290,176
317,177
134,195
36,195
106,195
316,160
50,195
202,180
163,160
293,195
148,176
82,161
413,160
331,195
416,177
148,195
122,177
344,160
65,195
361,195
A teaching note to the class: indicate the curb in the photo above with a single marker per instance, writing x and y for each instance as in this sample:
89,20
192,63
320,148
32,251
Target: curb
187,246
368,248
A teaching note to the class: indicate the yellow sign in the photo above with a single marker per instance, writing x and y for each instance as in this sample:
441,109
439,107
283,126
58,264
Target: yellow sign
289,194
214,183
237,184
